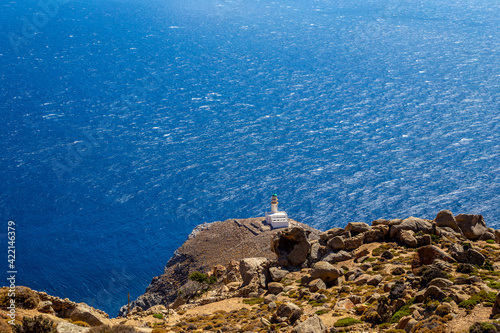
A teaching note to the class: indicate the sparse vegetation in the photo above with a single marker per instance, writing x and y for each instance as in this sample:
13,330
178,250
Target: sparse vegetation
37,324
348,321
480,297
253,301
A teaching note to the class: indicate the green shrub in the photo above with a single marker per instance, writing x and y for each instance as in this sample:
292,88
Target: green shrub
480,297
348,321
435,238
370,259
494,285
158,315
487,266
253,301
198,277
212,279
37,324
490,241
403,311
484,328
320,312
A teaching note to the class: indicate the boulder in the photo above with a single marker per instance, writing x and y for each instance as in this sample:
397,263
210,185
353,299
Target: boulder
46,307
496,306
403,322
254,269
441,283
376,234
446,219
326,272
458,253
374,280
474,257
315,252
412,223
426,255
287,312
432,292
277,274
361,252
345,304
313,324
316,284
218,271
89,315
387,222
336,243
270,298
408,237
487,235
352,243
497,236
337,257
362,279
387,255
356,227
274,288
329,234
291,244
472,226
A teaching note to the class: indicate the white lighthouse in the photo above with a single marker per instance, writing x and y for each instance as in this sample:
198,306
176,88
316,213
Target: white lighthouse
275,218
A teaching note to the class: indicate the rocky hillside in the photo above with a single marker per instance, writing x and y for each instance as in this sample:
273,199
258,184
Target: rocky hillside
208,245
398,276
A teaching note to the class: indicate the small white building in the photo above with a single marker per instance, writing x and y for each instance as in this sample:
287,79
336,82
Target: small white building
275,218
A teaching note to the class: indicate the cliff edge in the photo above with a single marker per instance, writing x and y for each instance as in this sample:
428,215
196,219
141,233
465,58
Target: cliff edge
208,245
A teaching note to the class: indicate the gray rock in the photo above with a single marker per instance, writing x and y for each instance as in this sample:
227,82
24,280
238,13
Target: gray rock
475,258
412,223
265,322
432,291
277,274
89,315
387,222
362,279
292,245
337,257
408,237
446,219
410,325
315,251
376,234
375,280
441,283
487,235
275,288
46,307
458,253
356,227
66,327
336,243
472,226
316,285
313,324
329,234
426,255
352,243
253,268
270,298
325,271
287,311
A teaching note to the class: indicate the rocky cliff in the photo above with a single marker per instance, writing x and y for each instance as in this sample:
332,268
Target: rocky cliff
211,244
407,275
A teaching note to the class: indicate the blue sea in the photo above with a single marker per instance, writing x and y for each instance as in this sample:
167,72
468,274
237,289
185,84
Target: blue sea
126,123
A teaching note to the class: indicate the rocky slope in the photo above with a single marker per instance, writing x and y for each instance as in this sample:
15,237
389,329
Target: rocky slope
398,276
208,245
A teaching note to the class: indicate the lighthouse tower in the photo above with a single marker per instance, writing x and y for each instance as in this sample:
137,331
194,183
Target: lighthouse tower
275,218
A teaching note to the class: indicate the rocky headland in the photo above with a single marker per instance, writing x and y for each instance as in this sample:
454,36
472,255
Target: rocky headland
401,275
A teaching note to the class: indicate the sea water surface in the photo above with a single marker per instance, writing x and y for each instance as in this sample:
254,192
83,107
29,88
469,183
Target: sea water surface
126,123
